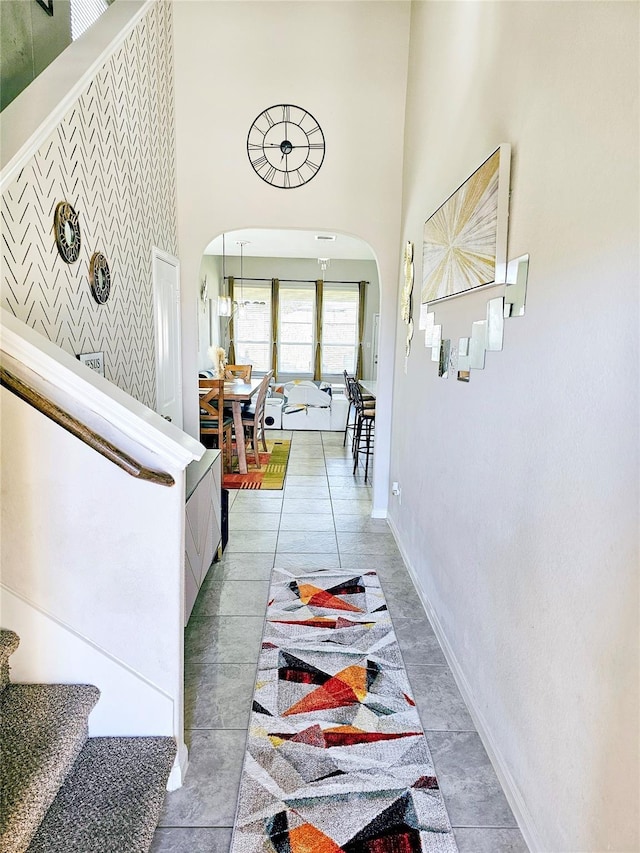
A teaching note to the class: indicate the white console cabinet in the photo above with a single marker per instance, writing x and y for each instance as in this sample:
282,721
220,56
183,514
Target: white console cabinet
203,526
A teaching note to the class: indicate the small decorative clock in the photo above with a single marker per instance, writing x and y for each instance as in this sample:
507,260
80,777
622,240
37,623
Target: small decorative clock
99,278
286,146
66,226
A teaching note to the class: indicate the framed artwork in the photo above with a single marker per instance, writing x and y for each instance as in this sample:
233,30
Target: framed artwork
465,240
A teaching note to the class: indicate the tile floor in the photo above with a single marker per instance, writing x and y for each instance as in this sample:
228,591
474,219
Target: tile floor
321,519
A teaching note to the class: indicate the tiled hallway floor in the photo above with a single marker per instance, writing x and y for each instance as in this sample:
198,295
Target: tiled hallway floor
320,520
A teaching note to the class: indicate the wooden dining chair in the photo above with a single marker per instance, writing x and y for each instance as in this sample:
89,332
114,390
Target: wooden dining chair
214,421
238,371
253,419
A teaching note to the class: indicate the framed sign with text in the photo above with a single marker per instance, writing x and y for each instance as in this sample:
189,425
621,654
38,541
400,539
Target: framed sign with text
94,360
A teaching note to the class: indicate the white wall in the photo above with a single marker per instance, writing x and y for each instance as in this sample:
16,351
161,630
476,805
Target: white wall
519,511
92,575
344,62
92,568
29,39
208,325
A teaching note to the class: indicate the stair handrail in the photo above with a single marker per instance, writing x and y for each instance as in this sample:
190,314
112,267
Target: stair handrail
84,433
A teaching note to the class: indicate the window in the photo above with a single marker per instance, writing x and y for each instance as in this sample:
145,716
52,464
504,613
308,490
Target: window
296,329
297,311
84,13
252,326
339,329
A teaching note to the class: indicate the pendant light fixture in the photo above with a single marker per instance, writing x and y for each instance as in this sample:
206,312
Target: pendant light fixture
224,302
241,302
324,265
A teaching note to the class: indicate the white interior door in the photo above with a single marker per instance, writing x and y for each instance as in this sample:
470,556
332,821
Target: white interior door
166,303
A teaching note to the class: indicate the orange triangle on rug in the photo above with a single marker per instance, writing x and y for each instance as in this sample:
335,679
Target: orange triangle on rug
309,839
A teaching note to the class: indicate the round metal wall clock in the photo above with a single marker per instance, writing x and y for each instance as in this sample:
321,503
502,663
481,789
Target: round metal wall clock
66,226
286,146
99,278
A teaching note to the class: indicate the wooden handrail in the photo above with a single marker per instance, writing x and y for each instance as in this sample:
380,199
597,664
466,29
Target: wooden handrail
84,433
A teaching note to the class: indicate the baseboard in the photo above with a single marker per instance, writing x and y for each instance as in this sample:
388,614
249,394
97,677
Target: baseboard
179,769
511,790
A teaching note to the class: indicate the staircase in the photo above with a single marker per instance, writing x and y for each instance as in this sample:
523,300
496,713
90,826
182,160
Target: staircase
62,792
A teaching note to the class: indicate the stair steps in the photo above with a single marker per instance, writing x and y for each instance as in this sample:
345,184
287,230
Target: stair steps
111,801
43,729
62,791
8,644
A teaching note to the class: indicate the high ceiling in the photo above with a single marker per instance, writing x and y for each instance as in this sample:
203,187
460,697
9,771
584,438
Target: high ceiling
271,243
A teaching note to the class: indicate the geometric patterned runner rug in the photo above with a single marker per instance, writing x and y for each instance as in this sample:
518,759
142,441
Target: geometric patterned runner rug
336,759
270,475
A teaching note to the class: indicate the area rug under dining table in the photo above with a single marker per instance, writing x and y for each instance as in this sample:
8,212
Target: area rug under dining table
270,474
336,757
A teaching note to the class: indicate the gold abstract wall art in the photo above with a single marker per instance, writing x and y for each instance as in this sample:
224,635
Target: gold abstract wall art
465,240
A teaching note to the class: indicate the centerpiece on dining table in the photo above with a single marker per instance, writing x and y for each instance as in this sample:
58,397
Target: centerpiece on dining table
219,361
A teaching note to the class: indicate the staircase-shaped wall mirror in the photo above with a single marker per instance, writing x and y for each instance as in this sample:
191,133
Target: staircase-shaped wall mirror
515,294
486,335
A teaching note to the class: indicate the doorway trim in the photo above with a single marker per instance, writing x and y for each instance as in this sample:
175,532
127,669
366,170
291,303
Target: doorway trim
175,344
375,332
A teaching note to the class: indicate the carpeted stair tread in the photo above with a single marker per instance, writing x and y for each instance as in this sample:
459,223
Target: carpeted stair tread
111,800
42,730
9,642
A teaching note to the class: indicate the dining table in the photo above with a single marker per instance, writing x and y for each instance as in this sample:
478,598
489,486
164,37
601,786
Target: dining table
238,393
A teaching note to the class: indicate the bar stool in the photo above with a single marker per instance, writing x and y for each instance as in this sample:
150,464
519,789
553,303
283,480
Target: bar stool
368,400
365,420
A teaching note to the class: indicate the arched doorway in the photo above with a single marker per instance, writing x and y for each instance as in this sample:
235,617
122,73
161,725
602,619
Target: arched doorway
296,331
304,304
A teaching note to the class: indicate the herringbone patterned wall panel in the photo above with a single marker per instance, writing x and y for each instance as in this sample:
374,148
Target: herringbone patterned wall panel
112,157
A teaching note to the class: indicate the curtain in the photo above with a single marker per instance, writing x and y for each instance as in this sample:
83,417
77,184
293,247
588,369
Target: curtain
231,355
361,306
275,296
317,371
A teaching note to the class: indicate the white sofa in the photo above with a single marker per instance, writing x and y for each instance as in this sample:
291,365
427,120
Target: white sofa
309,405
